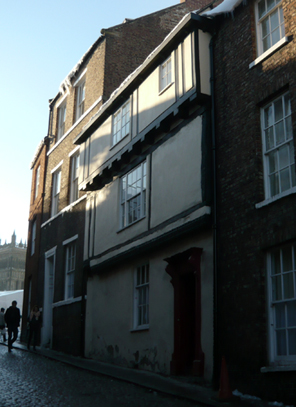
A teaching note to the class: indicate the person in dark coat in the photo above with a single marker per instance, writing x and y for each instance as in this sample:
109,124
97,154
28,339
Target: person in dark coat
34,321
12,318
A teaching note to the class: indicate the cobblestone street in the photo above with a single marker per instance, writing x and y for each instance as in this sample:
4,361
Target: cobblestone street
31,380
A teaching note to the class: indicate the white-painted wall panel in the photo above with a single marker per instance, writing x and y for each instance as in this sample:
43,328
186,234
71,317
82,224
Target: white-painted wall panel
176,173
205,69
152,103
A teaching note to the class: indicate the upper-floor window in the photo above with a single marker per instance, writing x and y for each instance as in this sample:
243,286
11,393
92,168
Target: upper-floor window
270,24
56,186
80,96
121,123
141,297
133,195
33,237
281,265
70,269
74,178
278,147
61,121
165,74
37,181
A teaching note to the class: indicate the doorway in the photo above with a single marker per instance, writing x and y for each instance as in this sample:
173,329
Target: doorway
184,268
48,297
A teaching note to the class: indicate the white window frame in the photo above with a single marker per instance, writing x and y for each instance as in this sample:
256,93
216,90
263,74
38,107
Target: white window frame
278,147
56,187
281,268
121,122
141,297
61,120
80,99
266,17
37,181
33,237
74,168
133,195
166,74
70,264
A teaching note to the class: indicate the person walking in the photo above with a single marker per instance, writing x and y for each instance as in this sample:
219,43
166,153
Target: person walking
2,324
34,320
12,318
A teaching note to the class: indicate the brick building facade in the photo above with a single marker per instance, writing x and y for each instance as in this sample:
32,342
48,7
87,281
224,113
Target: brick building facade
253,111
255,122
31,294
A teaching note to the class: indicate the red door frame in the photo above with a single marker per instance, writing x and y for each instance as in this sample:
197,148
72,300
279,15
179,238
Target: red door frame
179,266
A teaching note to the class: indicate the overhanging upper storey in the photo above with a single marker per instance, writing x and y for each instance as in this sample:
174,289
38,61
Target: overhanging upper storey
174,80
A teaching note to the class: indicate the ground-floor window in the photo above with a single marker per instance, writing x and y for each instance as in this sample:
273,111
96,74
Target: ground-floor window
281,264
141,297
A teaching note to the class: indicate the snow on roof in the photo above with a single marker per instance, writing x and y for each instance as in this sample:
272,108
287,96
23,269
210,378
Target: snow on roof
227,6
66,83
36,154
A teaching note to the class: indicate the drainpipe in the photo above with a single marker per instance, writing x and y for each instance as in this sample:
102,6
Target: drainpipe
215,294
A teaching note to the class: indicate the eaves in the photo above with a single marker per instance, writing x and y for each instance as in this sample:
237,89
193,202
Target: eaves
188,24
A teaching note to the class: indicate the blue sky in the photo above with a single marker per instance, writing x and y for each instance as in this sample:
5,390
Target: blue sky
40,43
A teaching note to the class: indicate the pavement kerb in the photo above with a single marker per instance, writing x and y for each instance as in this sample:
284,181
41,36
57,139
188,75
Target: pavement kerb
150,380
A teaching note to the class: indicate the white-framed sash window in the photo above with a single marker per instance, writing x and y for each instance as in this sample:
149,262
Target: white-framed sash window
70,269
33,238
133,195
74,177
141,297
278,146
37,181
165,74
56,187
61,121
121,123
270,24
80,97
281,266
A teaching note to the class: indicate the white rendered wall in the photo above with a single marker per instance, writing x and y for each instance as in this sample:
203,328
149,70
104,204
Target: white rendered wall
109,317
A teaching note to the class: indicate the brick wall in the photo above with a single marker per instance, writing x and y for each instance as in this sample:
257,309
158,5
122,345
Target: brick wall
244,232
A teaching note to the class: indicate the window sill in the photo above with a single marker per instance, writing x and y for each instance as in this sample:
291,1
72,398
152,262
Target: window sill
116,144
68,301
270,369
275,198
270,51
164,89
131,224
140,328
